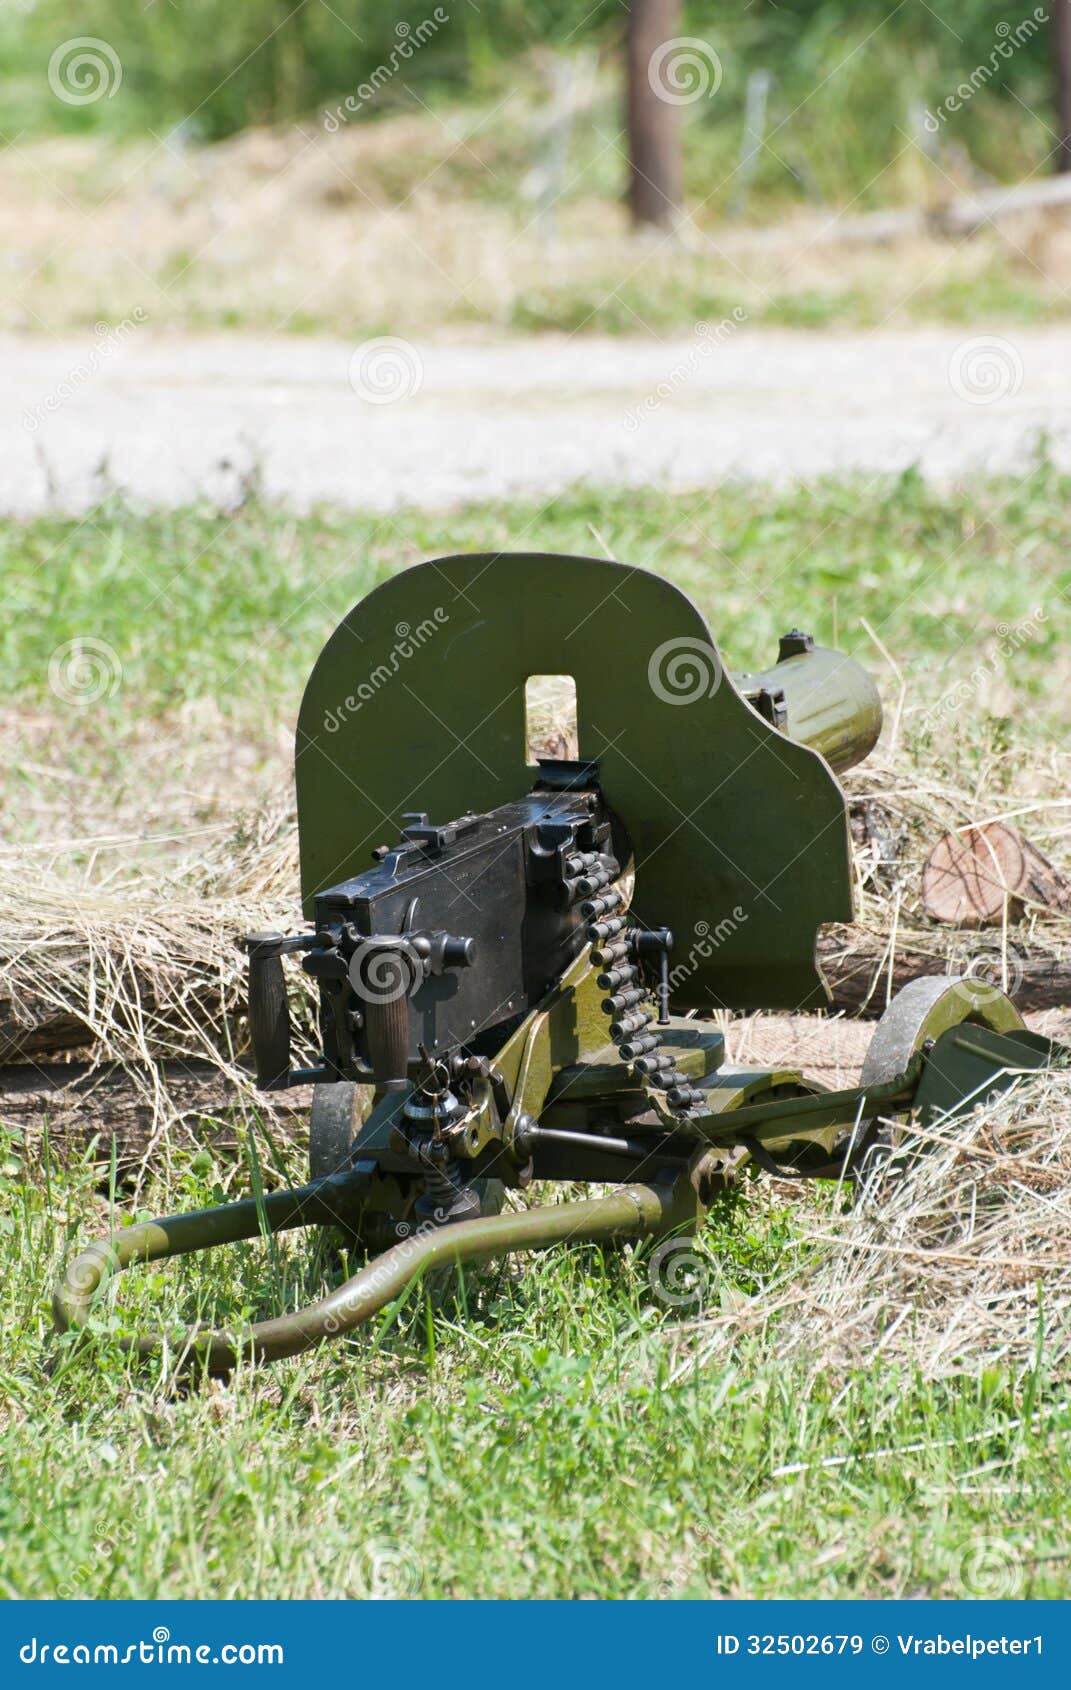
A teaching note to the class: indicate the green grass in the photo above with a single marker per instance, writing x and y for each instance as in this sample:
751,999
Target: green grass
671,293
421,214
531,1431
235,607
845,78
537,1430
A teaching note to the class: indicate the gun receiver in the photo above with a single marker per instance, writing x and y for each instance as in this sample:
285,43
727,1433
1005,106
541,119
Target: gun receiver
452,938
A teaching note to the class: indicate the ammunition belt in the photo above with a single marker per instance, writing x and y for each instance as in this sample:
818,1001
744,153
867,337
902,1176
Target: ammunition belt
616,951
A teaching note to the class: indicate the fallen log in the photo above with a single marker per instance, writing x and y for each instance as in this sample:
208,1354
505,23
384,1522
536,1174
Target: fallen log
79,1109
855,966
950,219
51,1036
974,875
966,215
857,971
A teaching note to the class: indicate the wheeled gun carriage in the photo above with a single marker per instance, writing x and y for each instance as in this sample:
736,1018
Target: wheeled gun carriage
518,958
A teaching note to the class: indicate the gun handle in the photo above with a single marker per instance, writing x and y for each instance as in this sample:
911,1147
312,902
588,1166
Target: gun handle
387,1029
269,1011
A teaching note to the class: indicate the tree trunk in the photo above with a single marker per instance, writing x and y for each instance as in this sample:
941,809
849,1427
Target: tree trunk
856,970
1061,42
854,963
655,192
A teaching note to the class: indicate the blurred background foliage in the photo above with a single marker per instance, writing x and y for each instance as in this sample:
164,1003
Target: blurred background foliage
850,79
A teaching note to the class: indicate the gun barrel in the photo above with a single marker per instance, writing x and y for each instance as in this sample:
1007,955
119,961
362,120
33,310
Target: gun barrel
820,698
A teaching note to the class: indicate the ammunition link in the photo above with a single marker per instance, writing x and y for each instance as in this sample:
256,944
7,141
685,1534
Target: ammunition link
618,950
654,1064
611,955
632,1048
593,908
600,930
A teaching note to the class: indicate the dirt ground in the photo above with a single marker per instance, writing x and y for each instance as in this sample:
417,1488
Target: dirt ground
393,421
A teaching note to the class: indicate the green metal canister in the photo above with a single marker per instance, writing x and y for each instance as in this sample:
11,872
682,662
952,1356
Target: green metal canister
820,698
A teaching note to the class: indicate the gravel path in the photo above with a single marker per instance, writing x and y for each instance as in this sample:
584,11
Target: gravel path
171,418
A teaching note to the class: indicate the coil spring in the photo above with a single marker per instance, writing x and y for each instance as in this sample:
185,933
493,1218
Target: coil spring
442,1179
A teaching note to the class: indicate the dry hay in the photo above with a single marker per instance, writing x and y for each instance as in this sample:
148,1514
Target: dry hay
900,804
965,1259
144,972
955,1261
146,977
140,969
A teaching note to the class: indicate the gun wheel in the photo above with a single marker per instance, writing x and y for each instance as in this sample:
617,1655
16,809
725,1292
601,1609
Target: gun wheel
919,1013
331,1128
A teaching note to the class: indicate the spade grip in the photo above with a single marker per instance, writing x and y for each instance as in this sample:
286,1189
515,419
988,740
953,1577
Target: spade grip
269,1012
387,1026
383,973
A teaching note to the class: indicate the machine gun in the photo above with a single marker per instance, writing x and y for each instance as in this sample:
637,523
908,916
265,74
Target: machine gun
522,976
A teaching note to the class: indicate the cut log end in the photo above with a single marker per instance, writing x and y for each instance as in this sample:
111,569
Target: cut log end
980,876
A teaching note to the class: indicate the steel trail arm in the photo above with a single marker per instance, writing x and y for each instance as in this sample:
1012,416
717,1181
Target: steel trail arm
633,1211
934,1068
670,1202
